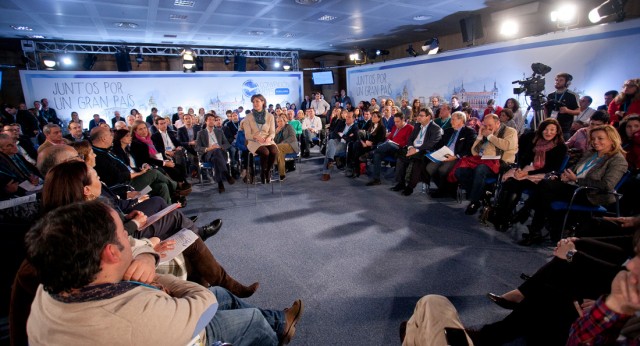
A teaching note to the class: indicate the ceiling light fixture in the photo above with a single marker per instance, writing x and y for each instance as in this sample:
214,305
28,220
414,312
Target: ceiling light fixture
35,36
184,3
227,60
327,18
608,8
410,51
139,59
256,33
126,25
421,17
308,2
276,64
177,17
288,35
21,28
431,46
509,28
67,60
286,66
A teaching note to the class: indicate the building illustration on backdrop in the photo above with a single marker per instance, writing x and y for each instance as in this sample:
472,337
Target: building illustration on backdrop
477,99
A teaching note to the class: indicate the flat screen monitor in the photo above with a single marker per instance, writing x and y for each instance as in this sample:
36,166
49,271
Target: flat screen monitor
322,77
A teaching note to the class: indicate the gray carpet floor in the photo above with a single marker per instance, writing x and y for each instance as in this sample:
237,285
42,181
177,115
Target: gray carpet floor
359,257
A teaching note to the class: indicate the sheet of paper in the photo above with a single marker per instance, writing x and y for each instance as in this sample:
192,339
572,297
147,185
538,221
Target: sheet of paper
440,154
184,238
491,157
145,191
157,216
27,186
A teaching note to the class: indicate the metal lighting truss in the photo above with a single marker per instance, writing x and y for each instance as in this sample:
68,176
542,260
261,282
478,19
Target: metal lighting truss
31,49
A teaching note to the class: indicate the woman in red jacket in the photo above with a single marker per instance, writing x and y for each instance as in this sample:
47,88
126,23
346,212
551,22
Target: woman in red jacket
627,102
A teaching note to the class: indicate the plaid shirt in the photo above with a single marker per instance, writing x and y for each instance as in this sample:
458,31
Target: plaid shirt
599,326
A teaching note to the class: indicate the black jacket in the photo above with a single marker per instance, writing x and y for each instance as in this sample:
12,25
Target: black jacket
159,142
111,169
431,138
465,140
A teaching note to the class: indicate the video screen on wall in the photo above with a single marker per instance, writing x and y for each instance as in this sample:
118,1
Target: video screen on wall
322,77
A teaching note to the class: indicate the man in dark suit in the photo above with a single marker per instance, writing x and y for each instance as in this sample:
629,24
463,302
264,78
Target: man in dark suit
14,169
341,138
25,146
116,118
75,132
459,139
424,138
211,145
96,121
150,117
166,143
187,136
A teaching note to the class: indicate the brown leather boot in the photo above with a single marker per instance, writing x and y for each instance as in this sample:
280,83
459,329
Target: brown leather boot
204,266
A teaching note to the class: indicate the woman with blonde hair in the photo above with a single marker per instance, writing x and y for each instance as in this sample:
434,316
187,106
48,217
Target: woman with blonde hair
600,168
286,141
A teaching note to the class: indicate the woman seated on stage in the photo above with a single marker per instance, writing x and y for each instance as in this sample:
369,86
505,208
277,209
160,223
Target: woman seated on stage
600,168
143,151
260,129
286,141
545,154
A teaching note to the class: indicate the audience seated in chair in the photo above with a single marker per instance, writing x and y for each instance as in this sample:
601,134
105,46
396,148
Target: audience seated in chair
343,136
495,146
397,140
600,169
230,130
187,136
14,169
166,142
459,139
212,145
118,167
128,279
286,141
368,141
545,154
311,128
411,162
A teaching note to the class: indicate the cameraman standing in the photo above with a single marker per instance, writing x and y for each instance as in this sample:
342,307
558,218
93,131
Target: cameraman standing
563,104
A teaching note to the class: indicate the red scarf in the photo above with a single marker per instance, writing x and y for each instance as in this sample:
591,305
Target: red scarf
540,152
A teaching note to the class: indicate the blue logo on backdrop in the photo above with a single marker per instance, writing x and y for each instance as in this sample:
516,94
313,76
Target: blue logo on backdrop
249,88
282,91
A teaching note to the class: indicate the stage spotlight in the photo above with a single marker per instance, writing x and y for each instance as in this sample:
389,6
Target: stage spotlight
380,52
509,28
565,14
355,57
139,59
67,60
227,61
261,64
49,61
608,8
286,66
276,64
188,60
411,51
432,46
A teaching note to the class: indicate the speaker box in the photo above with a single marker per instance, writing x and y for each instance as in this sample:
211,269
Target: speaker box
240,63
123,60
471,28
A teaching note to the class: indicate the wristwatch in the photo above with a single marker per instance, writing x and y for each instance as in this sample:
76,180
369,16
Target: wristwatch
570,255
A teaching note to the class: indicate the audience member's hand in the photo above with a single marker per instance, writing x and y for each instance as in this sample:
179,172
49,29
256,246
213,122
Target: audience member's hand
568,176
11,187
143,198
563,246
169,164
625,221
563,109
484,131
142,269
586,305
164,246
133,194
625,294
34,180
520,174
138,217
169,153
411,151
368,143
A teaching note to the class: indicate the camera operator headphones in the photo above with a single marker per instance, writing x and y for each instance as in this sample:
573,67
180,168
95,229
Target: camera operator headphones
567,80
